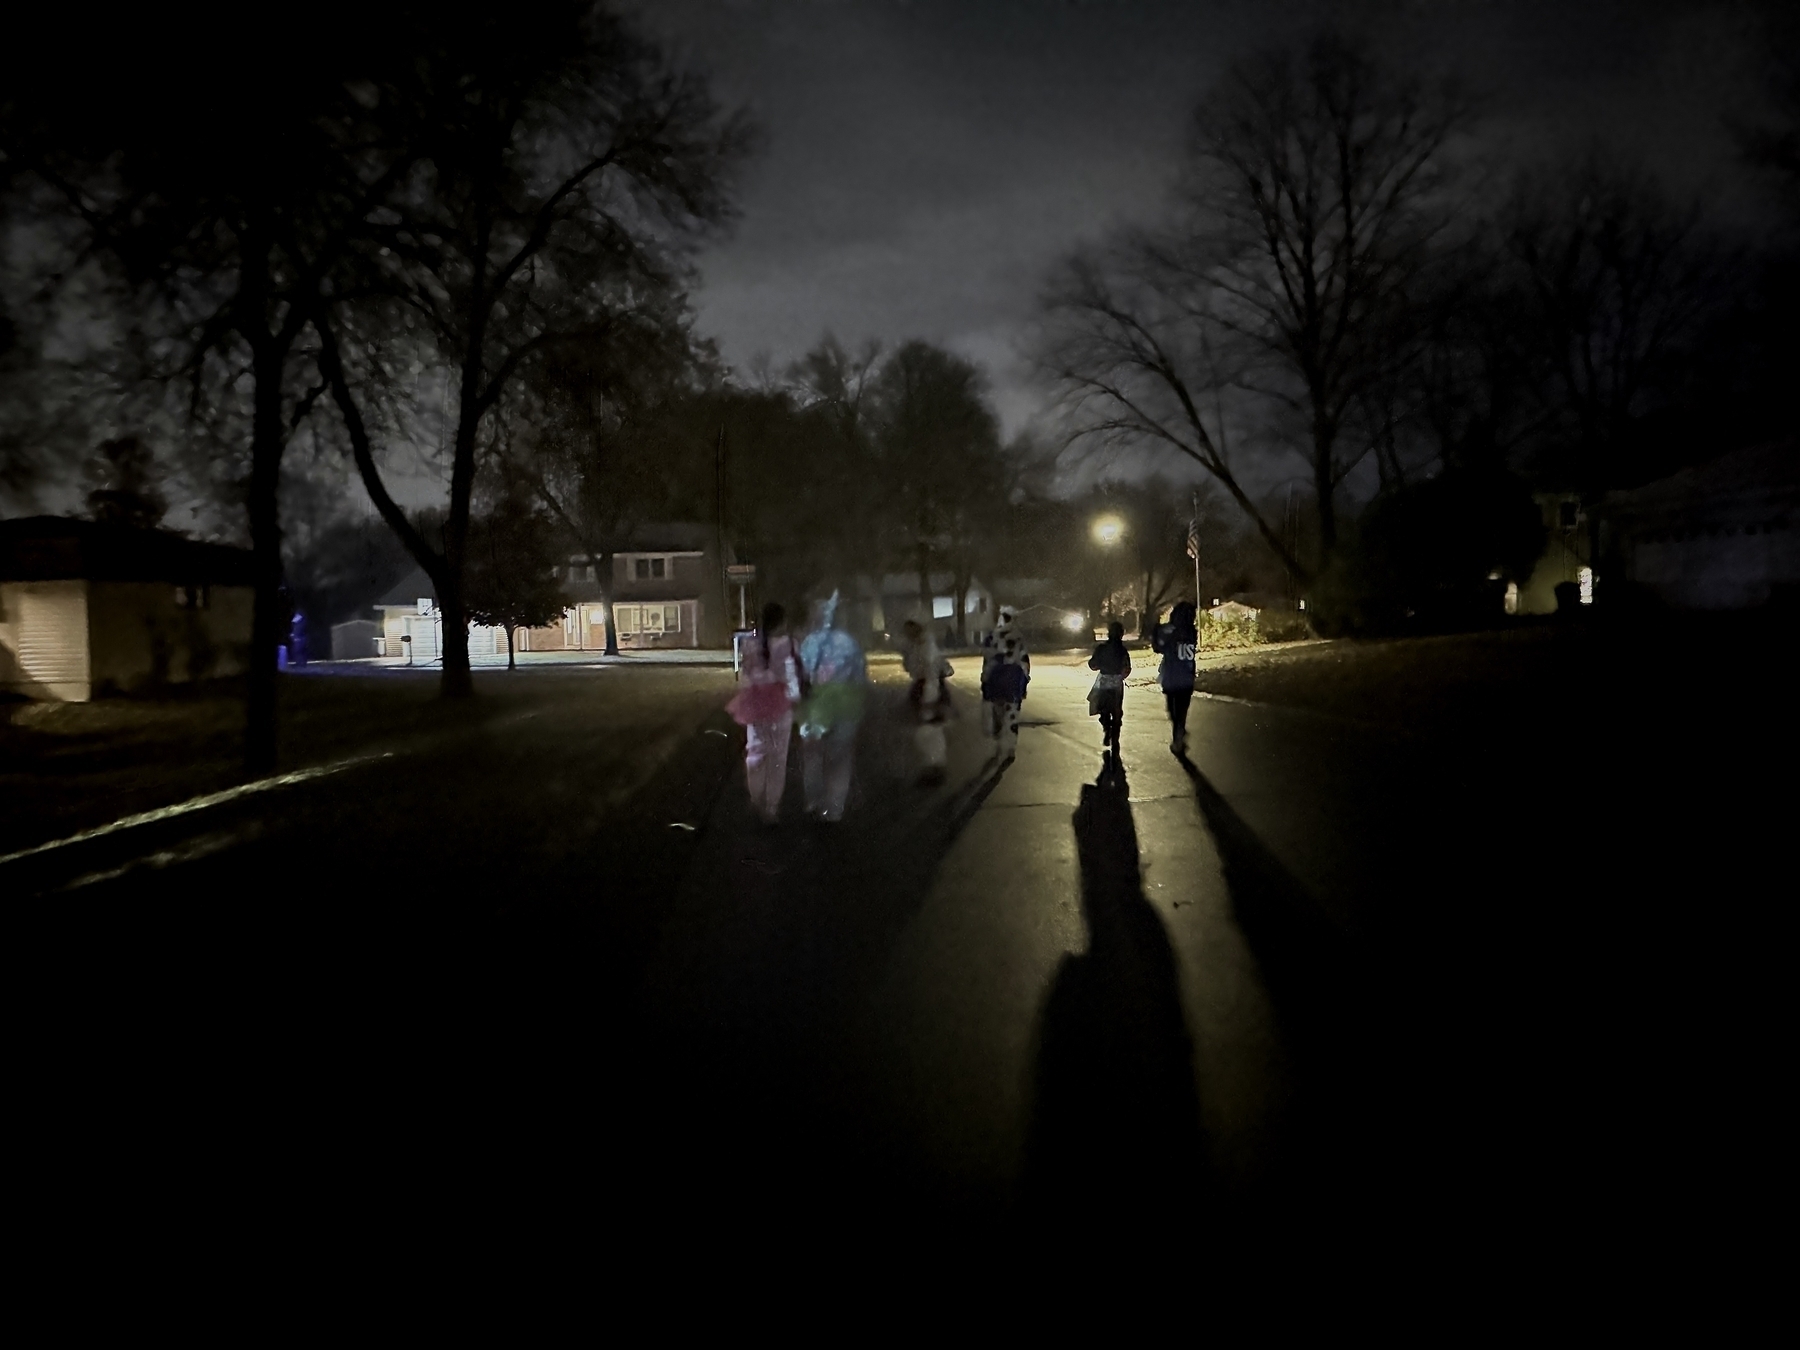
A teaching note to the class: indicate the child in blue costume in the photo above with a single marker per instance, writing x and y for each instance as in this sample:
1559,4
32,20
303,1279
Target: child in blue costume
838,677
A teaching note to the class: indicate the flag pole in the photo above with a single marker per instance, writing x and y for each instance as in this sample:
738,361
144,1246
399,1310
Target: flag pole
1194,547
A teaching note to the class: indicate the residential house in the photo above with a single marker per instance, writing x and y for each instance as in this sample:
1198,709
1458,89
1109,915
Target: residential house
668,588
666,592
88,608
1720,535
1564,559
876,608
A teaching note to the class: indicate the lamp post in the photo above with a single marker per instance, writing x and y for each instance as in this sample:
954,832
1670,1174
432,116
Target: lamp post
1107,530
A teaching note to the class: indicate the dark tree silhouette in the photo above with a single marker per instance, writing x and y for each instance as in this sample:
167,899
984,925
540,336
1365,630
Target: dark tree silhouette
123,473
594,439
1313,200
217,174
565,171
514,573
1618,283
938,450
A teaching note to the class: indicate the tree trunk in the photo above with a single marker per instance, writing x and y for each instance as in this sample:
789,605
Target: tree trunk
1325,489
264,509
1144,610
458,681
961,581
511,662
604,570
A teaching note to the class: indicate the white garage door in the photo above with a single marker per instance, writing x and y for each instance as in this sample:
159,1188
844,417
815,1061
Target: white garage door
424,634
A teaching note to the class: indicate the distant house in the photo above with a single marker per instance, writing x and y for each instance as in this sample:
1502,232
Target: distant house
1720,535
1564,559
89,608
876,608
668,588
667,591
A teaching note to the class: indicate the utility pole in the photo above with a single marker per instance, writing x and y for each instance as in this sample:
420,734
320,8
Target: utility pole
719,501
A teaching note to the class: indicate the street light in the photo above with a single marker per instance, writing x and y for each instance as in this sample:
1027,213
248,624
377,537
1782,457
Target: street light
1108,530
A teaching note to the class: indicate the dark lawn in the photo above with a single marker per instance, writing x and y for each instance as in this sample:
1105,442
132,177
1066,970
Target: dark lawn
72,766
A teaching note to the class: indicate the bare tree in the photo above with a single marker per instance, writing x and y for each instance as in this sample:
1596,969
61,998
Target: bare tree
221,201
564,170
1617,282
1312,199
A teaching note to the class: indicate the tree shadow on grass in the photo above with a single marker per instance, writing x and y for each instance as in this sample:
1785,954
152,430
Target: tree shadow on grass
1115,1130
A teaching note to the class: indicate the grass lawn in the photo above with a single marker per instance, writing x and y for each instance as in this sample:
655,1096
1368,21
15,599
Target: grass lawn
70,766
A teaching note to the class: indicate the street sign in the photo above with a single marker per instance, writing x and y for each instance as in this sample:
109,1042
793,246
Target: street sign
741,574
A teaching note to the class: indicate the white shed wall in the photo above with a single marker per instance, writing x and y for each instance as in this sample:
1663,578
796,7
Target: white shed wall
44,640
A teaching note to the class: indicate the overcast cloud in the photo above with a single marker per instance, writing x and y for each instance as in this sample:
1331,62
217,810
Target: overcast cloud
926,162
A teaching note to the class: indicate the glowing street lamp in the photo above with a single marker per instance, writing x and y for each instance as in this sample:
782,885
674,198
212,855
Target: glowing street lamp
1108,530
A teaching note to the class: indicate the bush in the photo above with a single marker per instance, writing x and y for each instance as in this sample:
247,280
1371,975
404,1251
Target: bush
1220,635
1284,627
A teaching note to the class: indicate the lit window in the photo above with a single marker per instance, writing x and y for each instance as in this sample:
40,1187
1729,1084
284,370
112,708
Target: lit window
1586,577
1512,597
630,619
943,606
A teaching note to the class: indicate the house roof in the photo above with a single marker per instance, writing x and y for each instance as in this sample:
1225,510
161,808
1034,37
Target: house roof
62,548
1755,481
666,536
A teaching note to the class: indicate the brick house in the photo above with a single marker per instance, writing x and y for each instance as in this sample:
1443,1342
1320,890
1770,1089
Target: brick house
667,592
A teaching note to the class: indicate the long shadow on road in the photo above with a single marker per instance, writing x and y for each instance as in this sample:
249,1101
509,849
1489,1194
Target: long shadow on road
1309,968
1115,1132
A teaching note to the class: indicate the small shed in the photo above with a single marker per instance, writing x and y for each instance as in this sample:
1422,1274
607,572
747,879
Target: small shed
91,608
356,640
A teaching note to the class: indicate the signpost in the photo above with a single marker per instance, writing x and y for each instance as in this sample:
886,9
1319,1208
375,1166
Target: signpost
741,575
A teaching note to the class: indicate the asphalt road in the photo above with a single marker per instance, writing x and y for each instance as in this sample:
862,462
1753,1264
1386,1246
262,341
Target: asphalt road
1322,976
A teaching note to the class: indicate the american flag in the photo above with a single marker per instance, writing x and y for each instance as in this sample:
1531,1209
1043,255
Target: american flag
1193,538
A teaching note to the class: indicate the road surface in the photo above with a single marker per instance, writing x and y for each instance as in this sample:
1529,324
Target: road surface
1305,975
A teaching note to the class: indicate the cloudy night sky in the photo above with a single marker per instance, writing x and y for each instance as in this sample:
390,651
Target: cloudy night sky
924,163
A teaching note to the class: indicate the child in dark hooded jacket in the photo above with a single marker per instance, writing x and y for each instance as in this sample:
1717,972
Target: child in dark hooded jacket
1106,700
